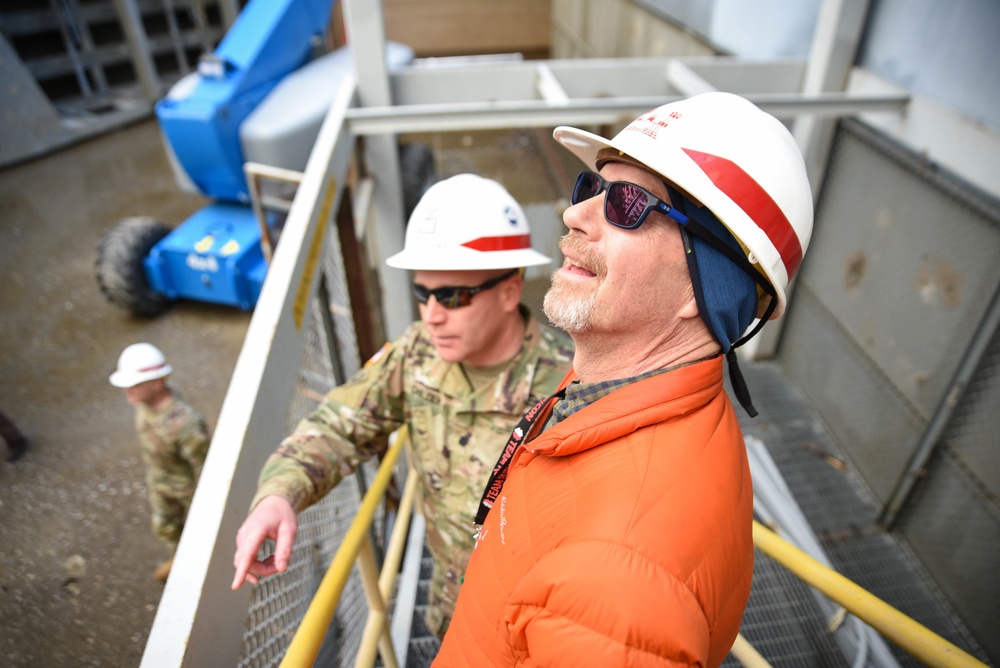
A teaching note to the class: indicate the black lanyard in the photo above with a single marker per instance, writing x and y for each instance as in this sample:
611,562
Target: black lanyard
521,433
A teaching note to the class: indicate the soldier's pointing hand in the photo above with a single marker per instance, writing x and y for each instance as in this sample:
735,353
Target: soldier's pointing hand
273,518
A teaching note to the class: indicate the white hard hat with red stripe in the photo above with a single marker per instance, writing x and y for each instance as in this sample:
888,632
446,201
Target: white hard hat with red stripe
732,157
467,222
138,363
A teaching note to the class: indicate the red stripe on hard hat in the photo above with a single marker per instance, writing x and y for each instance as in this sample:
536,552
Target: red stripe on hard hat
487,244
756,203
153,368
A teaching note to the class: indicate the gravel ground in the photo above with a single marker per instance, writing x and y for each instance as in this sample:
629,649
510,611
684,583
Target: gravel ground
76,586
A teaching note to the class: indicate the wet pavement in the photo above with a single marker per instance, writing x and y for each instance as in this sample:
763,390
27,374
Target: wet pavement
77,552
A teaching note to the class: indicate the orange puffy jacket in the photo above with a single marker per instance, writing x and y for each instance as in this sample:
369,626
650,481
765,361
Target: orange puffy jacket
621,537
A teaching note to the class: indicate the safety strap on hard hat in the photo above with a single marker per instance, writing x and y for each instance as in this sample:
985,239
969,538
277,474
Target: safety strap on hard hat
694,228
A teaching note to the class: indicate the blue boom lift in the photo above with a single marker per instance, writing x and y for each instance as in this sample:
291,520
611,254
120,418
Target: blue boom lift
261,96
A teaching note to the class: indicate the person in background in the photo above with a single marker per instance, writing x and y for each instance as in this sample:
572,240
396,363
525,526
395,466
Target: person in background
17,443
173,437
618,530
460,378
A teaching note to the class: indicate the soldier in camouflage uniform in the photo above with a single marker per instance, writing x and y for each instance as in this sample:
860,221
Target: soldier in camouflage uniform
173,437
461,378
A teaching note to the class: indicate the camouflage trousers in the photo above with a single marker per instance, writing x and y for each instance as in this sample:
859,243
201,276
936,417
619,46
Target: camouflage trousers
169,512
441,598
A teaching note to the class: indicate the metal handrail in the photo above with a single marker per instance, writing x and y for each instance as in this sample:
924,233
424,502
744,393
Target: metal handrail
746,654
922,643
255,173
357,546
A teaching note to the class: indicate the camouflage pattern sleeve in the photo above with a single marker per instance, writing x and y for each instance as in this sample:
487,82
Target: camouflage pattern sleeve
193,442
350,426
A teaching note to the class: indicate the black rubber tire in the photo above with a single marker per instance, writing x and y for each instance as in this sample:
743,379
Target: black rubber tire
418,173
119,265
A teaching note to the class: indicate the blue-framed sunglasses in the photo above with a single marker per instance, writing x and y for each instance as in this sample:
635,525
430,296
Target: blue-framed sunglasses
454,296
626,204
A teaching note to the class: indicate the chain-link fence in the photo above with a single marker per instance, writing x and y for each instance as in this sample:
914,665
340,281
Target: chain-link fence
279,602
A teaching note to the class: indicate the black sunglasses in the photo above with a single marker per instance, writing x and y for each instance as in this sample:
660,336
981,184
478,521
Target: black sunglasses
456,296
626,204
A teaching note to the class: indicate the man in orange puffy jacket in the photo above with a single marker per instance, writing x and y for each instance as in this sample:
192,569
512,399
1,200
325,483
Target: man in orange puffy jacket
616,528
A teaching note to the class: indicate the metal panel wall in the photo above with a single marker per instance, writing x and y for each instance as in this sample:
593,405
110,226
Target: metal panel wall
952,519
901,270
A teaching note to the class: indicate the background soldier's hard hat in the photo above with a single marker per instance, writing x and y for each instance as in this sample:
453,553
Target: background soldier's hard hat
467,222
730,156
138,363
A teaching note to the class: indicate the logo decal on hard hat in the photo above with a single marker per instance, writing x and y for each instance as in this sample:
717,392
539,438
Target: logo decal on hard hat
512,216
650,124
426,224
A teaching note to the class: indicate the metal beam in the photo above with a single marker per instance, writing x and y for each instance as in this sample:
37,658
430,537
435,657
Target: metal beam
835,43
366,34
540,113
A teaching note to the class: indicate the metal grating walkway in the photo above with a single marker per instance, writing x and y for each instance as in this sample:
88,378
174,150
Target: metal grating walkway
842,512
782,620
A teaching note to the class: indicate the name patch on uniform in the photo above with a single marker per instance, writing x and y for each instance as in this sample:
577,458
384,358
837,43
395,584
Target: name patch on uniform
428,394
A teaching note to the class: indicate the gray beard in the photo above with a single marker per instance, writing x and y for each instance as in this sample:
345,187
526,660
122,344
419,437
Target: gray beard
570,314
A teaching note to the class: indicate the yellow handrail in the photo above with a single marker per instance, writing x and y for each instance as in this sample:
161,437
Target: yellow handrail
378,591
919,641
308,637
745,653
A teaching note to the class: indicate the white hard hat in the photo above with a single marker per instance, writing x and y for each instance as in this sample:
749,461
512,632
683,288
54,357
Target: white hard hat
735,159
467,222
138,363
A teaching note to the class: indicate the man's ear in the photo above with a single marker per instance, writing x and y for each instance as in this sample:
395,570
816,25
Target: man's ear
510,292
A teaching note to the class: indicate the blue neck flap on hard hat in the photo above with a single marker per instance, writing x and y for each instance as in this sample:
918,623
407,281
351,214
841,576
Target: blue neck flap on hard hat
726,294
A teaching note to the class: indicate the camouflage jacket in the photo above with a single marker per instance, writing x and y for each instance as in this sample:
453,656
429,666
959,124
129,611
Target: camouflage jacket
457,430
174,444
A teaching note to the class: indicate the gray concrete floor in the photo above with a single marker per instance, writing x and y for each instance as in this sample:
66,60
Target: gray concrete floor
77,552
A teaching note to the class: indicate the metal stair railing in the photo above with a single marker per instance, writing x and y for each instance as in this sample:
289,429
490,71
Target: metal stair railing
922,643
357,547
